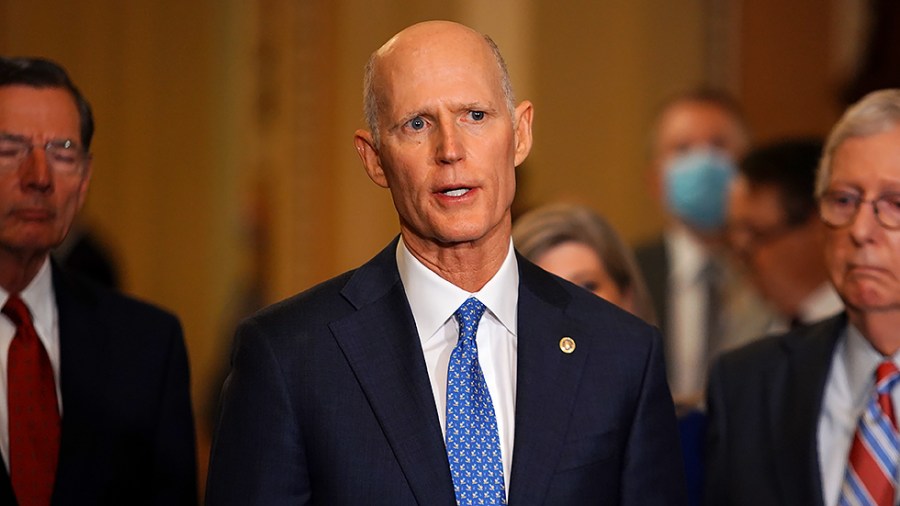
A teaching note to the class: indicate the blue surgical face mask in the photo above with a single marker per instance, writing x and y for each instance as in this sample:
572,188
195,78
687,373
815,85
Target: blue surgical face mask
696,188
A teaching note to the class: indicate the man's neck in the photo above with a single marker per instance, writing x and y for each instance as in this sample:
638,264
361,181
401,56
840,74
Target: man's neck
467,265
879,328
18,269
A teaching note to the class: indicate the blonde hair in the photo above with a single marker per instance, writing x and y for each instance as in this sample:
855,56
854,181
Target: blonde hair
875,113
541,229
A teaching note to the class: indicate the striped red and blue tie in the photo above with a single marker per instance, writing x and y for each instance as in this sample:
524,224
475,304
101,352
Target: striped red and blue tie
871,476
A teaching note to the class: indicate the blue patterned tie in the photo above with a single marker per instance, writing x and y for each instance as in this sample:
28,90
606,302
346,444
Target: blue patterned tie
473,444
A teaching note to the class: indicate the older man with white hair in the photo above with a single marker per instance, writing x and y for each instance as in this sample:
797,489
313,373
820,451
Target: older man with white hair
809,417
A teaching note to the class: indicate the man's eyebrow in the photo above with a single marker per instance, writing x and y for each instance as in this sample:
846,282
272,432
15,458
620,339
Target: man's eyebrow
55,140
478,106
13,137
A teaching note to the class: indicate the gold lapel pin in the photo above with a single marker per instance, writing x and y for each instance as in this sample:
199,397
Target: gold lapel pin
567,344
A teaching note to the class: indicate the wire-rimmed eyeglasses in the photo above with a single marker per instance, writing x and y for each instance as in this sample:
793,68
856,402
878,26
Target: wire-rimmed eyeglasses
838,208
64,156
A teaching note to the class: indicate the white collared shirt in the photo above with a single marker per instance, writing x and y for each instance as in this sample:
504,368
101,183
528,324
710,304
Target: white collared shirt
822,303
687,314
850,384
433,300
39,298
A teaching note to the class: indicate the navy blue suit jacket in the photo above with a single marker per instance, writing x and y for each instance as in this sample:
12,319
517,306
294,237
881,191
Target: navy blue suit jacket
764,402
127,425
329,402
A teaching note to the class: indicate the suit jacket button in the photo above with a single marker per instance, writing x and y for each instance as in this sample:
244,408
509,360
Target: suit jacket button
567,344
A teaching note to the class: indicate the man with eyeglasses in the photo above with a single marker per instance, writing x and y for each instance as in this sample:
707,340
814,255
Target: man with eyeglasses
94,391
775,231
810,417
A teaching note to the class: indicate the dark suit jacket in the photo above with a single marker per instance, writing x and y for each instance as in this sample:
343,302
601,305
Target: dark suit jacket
764,401
329,402
653,260
127,424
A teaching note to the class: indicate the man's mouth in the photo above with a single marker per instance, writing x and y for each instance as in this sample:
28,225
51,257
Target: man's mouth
33,214
456,192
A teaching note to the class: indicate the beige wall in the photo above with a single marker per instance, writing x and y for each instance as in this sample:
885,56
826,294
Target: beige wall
224,154
788,81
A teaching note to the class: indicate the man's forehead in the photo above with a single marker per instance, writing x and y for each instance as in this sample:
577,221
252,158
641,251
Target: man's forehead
755,208
20,96
434,74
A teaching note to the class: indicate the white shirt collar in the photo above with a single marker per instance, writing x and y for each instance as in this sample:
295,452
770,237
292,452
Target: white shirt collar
433,299
38,297
861,360
820,304
688,257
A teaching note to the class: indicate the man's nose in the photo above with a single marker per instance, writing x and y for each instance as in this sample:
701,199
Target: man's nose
865,224
450,147
35,172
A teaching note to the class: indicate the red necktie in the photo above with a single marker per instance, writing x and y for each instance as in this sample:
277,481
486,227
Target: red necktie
34,422
872,468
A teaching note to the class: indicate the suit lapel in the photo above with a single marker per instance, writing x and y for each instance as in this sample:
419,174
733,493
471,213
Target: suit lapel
383,348
83,366
547,381
794,417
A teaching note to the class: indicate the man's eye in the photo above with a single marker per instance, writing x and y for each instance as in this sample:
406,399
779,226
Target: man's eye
892,201
9,148
416,123
477,115
67,156
844,199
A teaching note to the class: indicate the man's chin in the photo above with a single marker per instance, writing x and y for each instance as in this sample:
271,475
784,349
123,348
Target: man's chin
31,245
872,299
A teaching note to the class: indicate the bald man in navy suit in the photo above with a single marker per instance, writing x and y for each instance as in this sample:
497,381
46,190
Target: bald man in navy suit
339,395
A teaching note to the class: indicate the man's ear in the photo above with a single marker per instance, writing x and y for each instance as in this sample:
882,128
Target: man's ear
368,153
522,126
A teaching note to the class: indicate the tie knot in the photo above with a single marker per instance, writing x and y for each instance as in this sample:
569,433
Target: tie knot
16,310
468,315
885,376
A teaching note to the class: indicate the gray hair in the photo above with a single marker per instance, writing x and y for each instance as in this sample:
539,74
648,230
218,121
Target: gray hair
541,229
372,103
875,113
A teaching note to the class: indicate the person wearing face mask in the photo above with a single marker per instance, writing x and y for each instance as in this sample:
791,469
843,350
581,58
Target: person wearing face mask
703,304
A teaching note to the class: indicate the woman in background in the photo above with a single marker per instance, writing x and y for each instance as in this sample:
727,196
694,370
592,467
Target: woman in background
577,244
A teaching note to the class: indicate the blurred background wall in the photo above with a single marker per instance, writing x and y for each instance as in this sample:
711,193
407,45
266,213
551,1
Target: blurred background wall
225,176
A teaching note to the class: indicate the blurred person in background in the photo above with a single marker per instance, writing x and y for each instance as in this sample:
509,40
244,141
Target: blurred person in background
702,302
95,401
809,417
775,230
579,245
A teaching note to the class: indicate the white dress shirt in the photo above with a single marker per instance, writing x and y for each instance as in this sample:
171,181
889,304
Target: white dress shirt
433,300
822,303
687,314
38,296
850,384
743,316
